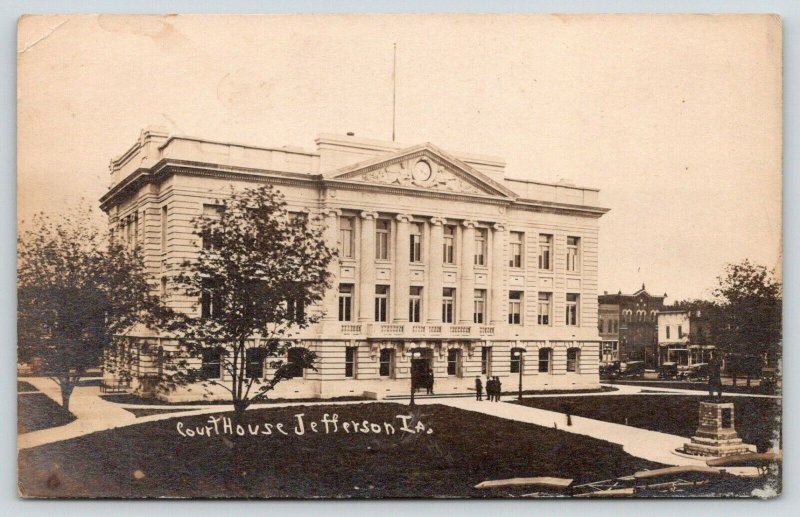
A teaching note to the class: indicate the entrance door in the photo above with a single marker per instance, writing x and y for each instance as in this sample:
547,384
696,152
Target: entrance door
421,363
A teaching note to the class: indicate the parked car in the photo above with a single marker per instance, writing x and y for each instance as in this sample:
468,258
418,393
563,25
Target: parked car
632,369
697,372
668,371
610,370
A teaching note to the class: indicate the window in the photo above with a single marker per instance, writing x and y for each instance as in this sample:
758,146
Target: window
600,325
382,239
515,308
545,248
680,332
345,302
667,331
295,363
516,250
480,246
387,362
573,254
295,310
164,229
254,367
448,304
454,362
544,308
298,218
163,287
449,256
486,360
381,302
572,308
545,355
479,308
573,359
210,302
346,237
415,241
213,213
415,304
136,229
350,361
517,355
211,367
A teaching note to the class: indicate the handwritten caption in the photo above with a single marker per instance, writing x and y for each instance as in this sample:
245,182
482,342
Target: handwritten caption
300,426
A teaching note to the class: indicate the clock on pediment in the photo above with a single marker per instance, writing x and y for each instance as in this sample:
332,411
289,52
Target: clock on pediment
422,171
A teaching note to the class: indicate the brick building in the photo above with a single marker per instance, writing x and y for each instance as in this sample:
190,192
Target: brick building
637,315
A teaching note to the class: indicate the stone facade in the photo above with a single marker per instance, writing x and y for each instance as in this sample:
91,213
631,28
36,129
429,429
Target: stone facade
716,435
466,264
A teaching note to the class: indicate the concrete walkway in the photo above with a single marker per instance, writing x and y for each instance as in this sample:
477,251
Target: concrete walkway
648,445
94,414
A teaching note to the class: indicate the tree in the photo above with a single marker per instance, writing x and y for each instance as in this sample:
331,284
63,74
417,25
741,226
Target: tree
257,271
749,321
76,289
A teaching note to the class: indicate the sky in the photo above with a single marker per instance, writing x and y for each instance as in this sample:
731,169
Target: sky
676,119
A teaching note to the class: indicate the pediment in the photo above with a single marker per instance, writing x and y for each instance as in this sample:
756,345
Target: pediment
424,167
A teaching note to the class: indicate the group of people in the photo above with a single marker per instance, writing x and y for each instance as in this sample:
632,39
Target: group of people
493,388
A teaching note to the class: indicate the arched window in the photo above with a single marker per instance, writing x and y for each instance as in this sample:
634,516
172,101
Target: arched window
295,362
545,359
573,360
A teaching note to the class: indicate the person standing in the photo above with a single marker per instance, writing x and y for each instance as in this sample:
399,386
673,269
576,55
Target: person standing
478,388
498,388
430,381
714,376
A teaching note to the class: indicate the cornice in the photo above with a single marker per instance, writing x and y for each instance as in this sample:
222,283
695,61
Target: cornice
166,167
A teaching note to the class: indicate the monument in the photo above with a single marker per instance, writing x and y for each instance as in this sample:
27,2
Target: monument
716,435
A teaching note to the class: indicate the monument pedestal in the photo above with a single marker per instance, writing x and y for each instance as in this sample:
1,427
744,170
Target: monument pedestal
716,436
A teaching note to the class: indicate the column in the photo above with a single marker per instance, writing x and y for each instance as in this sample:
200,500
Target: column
401,269
366,280
466,287
331,235
433,286
498,260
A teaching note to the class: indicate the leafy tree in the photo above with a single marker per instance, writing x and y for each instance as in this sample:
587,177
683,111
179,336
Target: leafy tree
748,324
258,270
76,289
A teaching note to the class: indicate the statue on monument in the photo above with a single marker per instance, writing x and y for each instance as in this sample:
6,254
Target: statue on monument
714,376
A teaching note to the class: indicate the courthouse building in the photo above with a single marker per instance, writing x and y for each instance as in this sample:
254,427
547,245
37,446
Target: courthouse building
441,257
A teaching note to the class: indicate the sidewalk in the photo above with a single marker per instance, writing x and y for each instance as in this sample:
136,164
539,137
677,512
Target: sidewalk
94,414
648,445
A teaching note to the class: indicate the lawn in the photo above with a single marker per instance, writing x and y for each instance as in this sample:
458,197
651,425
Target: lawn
37,411
464,448
755,417
25,387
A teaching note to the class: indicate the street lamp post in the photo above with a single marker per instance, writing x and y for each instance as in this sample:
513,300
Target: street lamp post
414,355
518,355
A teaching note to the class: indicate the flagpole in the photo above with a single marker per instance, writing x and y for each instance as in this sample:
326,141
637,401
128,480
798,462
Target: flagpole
394,89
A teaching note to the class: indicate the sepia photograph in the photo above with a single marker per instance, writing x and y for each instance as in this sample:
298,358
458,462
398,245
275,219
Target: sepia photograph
371,256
